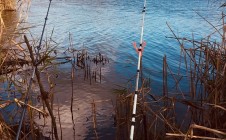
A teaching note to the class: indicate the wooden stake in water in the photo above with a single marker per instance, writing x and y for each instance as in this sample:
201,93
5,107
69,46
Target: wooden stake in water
141,47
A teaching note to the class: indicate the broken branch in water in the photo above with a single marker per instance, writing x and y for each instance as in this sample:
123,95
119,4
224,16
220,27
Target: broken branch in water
21,102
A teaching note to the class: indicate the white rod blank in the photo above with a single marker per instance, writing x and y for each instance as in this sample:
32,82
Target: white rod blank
138,74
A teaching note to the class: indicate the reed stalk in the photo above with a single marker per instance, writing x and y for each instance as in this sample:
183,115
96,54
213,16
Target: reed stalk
44,94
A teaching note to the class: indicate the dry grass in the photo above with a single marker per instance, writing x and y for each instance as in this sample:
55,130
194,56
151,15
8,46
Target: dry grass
12,54
5,131
1,20
199,112
157,116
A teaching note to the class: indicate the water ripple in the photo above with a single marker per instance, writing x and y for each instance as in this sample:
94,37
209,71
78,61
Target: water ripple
110,27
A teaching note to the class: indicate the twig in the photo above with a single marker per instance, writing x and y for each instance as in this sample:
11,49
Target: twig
192,137
21,102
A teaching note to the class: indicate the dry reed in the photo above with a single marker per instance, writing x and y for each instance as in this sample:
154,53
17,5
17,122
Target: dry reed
203,108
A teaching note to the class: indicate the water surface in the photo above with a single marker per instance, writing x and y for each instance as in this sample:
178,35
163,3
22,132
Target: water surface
110,27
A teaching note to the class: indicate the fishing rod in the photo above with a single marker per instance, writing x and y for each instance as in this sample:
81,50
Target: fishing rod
33,75
139,51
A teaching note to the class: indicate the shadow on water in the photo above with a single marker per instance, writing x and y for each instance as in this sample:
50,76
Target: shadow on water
109,26
76,90
81,127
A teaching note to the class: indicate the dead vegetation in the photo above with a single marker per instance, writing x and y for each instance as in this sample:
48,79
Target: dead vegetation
203,113
199,113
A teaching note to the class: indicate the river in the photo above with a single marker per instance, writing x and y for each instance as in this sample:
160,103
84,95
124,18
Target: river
110,27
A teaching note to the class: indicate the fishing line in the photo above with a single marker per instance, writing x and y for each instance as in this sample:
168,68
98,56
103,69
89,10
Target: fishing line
33,75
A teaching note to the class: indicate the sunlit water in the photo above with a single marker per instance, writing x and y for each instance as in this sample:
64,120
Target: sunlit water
110,27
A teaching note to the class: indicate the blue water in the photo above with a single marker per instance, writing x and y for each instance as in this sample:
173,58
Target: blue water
9,113
110,26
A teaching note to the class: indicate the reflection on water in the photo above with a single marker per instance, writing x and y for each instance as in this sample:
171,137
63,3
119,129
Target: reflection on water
81,127
110,27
